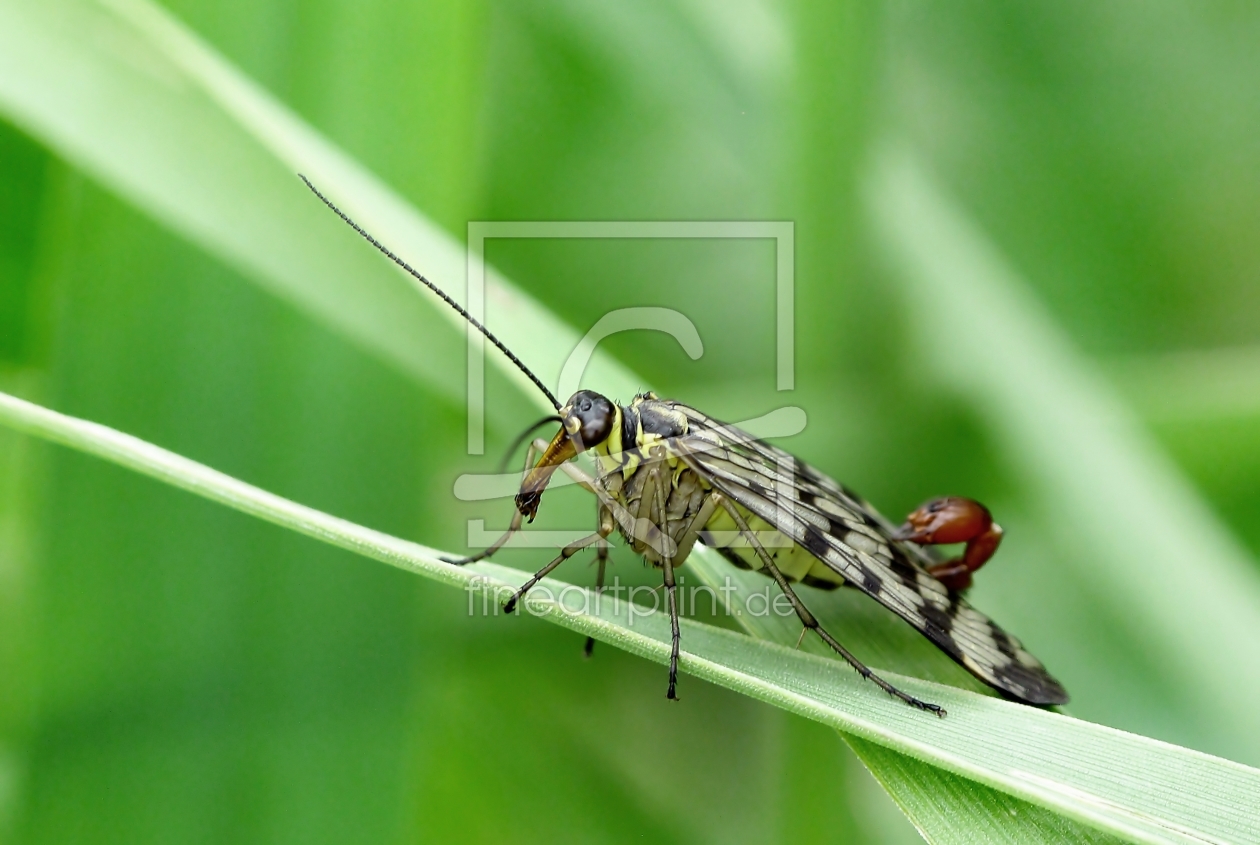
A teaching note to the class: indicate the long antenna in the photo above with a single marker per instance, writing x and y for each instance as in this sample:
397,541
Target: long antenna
416,275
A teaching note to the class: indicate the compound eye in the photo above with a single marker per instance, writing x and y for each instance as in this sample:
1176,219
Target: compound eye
596,425
595,416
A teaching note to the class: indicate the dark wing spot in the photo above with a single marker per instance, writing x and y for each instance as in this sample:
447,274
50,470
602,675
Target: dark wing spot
805,496
938,624
1003,641
904,569
870,581
1029,685
815,543
813,581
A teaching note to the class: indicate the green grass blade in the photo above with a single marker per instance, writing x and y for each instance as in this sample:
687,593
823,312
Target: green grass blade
1141,789
197,145
1202,385
110,97
188,116
929,796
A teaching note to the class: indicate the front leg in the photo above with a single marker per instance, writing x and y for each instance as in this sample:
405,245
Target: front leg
638,530
517,516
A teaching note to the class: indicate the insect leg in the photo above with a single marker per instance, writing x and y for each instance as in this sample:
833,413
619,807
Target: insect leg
643,531
671,588
601,558
689,537
513,526
807,618
565,553
586,481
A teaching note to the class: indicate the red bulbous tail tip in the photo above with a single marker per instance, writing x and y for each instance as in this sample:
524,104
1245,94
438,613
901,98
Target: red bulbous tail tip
954,519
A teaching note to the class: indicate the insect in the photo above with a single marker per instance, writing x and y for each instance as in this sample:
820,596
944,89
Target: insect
668,476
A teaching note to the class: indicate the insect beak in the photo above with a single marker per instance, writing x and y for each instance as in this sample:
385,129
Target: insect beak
561,449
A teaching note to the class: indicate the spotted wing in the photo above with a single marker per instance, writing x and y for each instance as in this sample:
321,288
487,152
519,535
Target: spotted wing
849,536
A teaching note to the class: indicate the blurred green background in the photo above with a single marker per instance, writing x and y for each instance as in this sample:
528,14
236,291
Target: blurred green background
173,671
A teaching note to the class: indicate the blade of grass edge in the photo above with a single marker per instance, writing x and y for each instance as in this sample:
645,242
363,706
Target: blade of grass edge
1123,784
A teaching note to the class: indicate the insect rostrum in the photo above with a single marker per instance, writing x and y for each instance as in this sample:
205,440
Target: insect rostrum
668,476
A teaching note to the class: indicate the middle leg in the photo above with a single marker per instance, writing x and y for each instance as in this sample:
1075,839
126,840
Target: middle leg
671,588
565,553
601,559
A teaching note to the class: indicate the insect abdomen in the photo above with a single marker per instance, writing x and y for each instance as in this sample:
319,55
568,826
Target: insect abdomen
796,564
